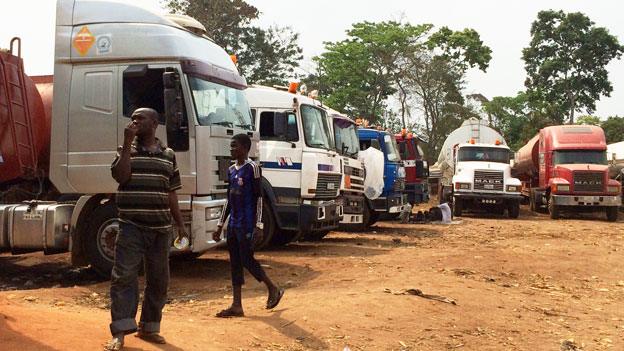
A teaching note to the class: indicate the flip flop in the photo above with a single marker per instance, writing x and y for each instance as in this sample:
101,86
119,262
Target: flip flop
272,303
114,345
229,313
153,338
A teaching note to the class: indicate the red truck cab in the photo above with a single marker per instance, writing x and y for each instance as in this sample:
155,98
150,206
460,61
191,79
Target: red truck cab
416,168
565,168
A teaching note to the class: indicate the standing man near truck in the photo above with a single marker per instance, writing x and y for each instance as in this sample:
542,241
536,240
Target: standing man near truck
245,227
148,178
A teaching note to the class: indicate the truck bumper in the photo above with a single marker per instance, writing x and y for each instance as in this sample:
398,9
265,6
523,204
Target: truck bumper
488,198
589,200
353,207
391,204
206,214
417,192
319,217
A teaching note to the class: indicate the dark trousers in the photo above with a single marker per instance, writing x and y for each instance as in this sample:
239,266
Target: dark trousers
135,245
239,243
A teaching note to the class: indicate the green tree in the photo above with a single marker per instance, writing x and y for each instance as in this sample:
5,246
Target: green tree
588,120
614,129
566,62
265,56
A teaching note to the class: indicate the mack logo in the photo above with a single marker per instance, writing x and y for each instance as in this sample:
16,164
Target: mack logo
488,181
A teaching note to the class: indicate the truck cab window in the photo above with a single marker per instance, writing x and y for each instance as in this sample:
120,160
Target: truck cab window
271,130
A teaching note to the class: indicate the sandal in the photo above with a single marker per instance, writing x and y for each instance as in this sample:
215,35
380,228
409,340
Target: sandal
154,338
229,313
115,344
272,302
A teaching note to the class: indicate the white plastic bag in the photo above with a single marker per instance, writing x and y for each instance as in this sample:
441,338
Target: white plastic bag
446,213
373,160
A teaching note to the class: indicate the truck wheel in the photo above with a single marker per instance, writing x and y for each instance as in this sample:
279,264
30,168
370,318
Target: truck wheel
268,219
373,216
284,237
612,213
101,235
513,209
553,209
457,207
532,206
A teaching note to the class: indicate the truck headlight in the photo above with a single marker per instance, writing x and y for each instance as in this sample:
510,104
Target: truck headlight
513,188
562,187
213,213
463,186
613,189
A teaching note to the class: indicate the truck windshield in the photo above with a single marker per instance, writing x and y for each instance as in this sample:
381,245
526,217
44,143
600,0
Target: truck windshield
595,157
217,104
347,142
483,154
315,127
392,148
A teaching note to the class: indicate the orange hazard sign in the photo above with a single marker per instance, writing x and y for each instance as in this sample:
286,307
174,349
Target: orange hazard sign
83,41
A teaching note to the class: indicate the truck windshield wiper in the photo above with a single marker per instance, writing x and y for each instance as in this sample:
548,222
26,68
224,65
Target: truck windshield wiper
224,123
319,145
245,126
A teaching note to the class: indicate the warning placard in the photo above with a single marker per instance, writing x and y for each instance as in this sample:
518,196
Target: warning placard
83,41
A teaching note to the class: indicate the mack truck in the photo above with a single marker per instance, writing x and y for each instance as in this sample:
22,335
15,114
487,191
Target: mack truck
392,200
564,168
474,163
301,172
352,185
59,134
416,168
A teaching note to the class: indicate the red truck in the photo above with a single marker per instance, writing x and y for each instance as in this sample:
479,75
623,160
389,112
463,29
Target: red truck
416,168
565,168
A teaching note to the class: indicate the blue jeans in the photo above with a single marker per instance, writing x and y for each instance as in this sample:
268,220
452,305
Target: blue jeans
134,246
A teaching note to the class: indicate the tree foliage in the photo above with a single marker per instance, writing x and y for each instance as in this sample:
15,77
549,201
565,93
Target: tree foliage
265,56
614,129
566,62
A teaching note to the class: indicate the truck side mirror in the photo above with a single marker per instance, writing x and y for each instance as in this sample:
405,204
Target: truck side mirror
403,150
177,133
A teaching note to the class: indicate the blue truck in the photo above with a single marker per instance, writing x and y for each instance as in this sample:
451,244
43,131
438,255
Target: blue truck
392,200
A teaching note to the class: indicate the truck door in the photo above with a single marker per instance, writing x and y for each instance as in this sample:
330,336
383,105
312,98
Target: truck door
92,130
142,86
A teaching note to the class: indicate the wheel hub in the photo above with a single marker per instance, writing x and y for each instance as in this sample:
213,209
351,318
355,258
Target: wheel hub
107,235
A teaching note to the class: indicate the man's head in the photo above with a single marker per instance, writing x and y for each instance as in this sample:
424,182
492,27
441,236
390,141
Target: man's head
240,146
146,120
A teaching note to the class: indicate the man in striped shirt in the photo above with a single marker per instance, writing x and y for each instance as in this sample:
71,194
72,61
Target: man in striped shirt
148,178
244,206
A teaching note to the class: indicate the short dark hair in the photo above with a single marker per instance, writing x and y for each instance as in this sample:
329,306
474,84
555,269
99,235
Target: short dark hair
244,140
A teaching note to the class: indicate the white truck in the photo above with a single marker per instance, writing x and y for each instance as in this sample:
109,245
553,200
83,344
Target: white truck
352,185
300,169
474,163
110,58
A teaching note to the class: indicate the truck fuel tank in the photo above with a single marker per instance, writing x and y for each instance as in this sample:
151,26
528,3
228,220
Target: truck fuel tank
27,221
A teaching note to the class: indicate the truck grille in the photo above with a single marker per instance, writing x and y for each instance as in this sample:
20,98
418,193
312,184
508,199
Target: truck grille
354,171
588,181
327,185
488,180
399,184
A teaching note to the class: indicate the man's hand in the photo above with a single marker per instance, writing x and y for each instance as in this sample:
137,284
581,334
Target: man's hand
216,236
130,132
258,236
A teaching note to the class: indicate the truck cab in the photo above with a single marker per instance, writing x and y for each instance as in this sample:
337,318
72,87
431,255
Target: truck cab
416,168
392,200
111,58
483,179
300,167
352,185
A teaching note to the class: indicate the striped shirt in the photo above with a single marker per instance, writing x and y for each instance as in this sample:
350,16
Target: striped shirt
144,199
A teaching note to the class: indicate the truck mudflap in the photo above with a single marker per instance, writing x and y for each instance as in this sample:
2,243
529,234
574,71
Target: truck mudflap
319,217
206,214
390,204
587,200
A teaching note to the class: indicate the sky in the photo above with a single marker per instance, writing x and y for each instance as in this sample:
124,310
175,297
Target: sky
503,25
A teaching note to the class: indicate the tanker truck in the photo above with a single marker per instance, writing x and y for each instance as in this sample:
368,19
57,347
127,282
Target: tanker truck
59,134
475,171
565,168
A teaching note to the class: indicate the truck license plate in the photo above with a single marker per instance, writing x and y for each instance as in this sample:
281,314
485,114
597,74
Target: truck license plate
587,199
488,186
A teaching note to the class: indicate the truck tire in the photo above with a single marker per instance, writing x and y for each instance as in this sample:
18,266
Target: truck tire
612,213
101,235
513,209
553,209
284,237
457,207
373,216
532,205
268,219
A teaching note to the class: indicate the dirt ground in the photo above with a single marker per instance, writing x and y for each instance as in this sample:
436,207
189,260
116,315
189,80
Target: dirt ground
497,284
